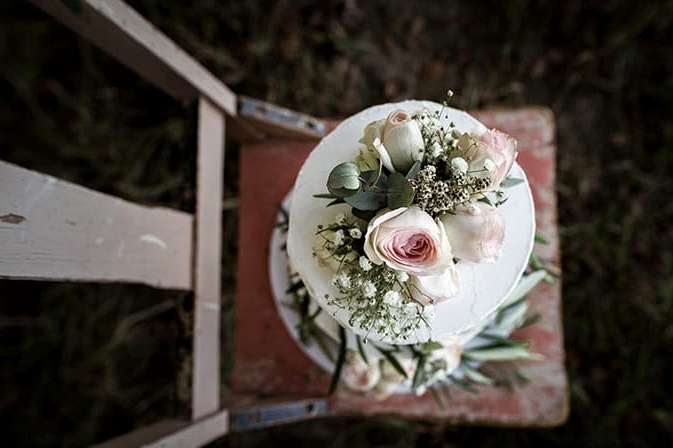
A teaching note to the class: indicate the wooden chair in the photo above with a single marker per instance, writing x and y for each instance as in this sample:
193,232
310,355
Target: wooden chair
273,383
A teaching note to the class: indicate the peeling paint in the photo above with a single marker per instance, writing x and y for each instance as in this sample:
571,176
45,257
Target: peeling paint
153,239
213,306
11,218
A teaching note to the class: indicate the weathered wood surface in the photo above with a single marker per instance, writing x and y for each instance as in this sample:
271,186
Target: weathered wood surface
174,433
55,230
207,259
277,367
127,36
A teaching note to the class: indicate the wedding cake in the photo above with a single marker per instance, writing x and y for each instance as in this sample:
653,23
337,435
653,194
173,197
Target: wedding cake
410,224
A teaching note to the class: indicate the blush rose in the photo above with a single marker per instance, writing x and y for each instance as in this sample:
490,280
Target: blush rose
476,232
494,146
408,239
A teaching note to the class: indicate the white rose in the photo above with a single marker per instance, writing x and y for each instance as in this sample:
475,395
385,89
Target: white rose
434,289
397,141
358,375
391,379
450,354
476,232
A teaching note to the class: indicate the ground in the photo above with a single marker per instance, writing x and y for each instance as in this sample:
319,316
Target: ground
74,373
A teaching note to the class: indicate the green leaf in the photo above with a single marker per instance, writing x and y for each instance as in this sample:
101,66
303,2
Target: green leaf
465,385
414,170
503,341
344,180
73,5
393,361
418,374
400,191
510,182
325,196
365,215
475,375
500,354
367,200
374,178
430,346
541,238
341,358
526,284
361,349
335,202
437,398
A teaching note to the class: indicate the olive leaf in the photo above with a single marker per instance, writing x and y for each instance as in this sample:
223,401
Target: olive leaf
400,191
344,180
510,182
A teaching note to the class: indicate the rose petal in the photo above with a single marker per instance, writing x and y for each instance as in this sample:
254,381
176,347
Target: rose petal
434,289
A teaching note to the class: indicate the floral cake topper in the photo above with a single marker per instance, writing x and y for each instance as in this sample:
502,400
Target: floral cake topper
424,197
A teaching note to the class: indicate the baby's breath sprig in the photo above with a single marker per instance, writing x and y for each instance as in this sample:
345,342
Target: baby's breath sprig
379,299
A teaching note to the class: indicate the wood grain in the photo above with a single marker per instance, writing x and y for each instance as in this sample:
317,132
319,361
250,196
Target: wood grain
208,239
55,230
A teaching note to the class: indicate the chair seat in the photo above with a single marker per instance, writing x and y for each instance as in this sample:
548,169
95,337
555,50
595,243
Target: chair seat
269,365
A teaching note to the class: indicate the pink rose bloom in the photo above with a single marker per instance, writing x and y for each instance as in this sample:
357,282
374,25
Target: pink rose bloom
496,146
434,289
476,232
408,239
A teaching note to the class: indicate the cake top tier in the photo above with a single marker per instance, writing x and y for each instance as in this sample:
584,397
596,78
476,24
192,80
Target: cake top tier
426,238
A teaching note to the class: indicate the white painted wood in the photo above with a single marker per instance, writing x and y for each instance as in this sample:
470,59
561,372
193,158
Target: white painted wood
127,36
208,239
197,434
54,230
174,434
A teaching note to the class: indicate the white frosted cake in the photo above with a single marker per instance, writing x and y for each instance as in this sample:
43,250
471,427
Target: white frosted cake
431,230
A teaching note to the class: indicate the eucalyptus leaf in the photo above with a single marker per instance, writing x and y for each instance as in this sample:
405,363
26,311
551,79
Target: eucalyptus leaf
374,179
414,170
365,215
400,191
367,200
344,180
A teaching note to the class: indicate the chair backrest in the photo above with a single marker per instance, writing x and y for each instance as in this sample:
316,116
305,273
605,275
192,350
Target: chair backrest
55,230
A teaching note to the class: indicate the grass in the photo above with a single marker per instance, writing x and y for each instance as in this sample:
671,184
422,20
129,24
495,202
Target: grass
602,67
